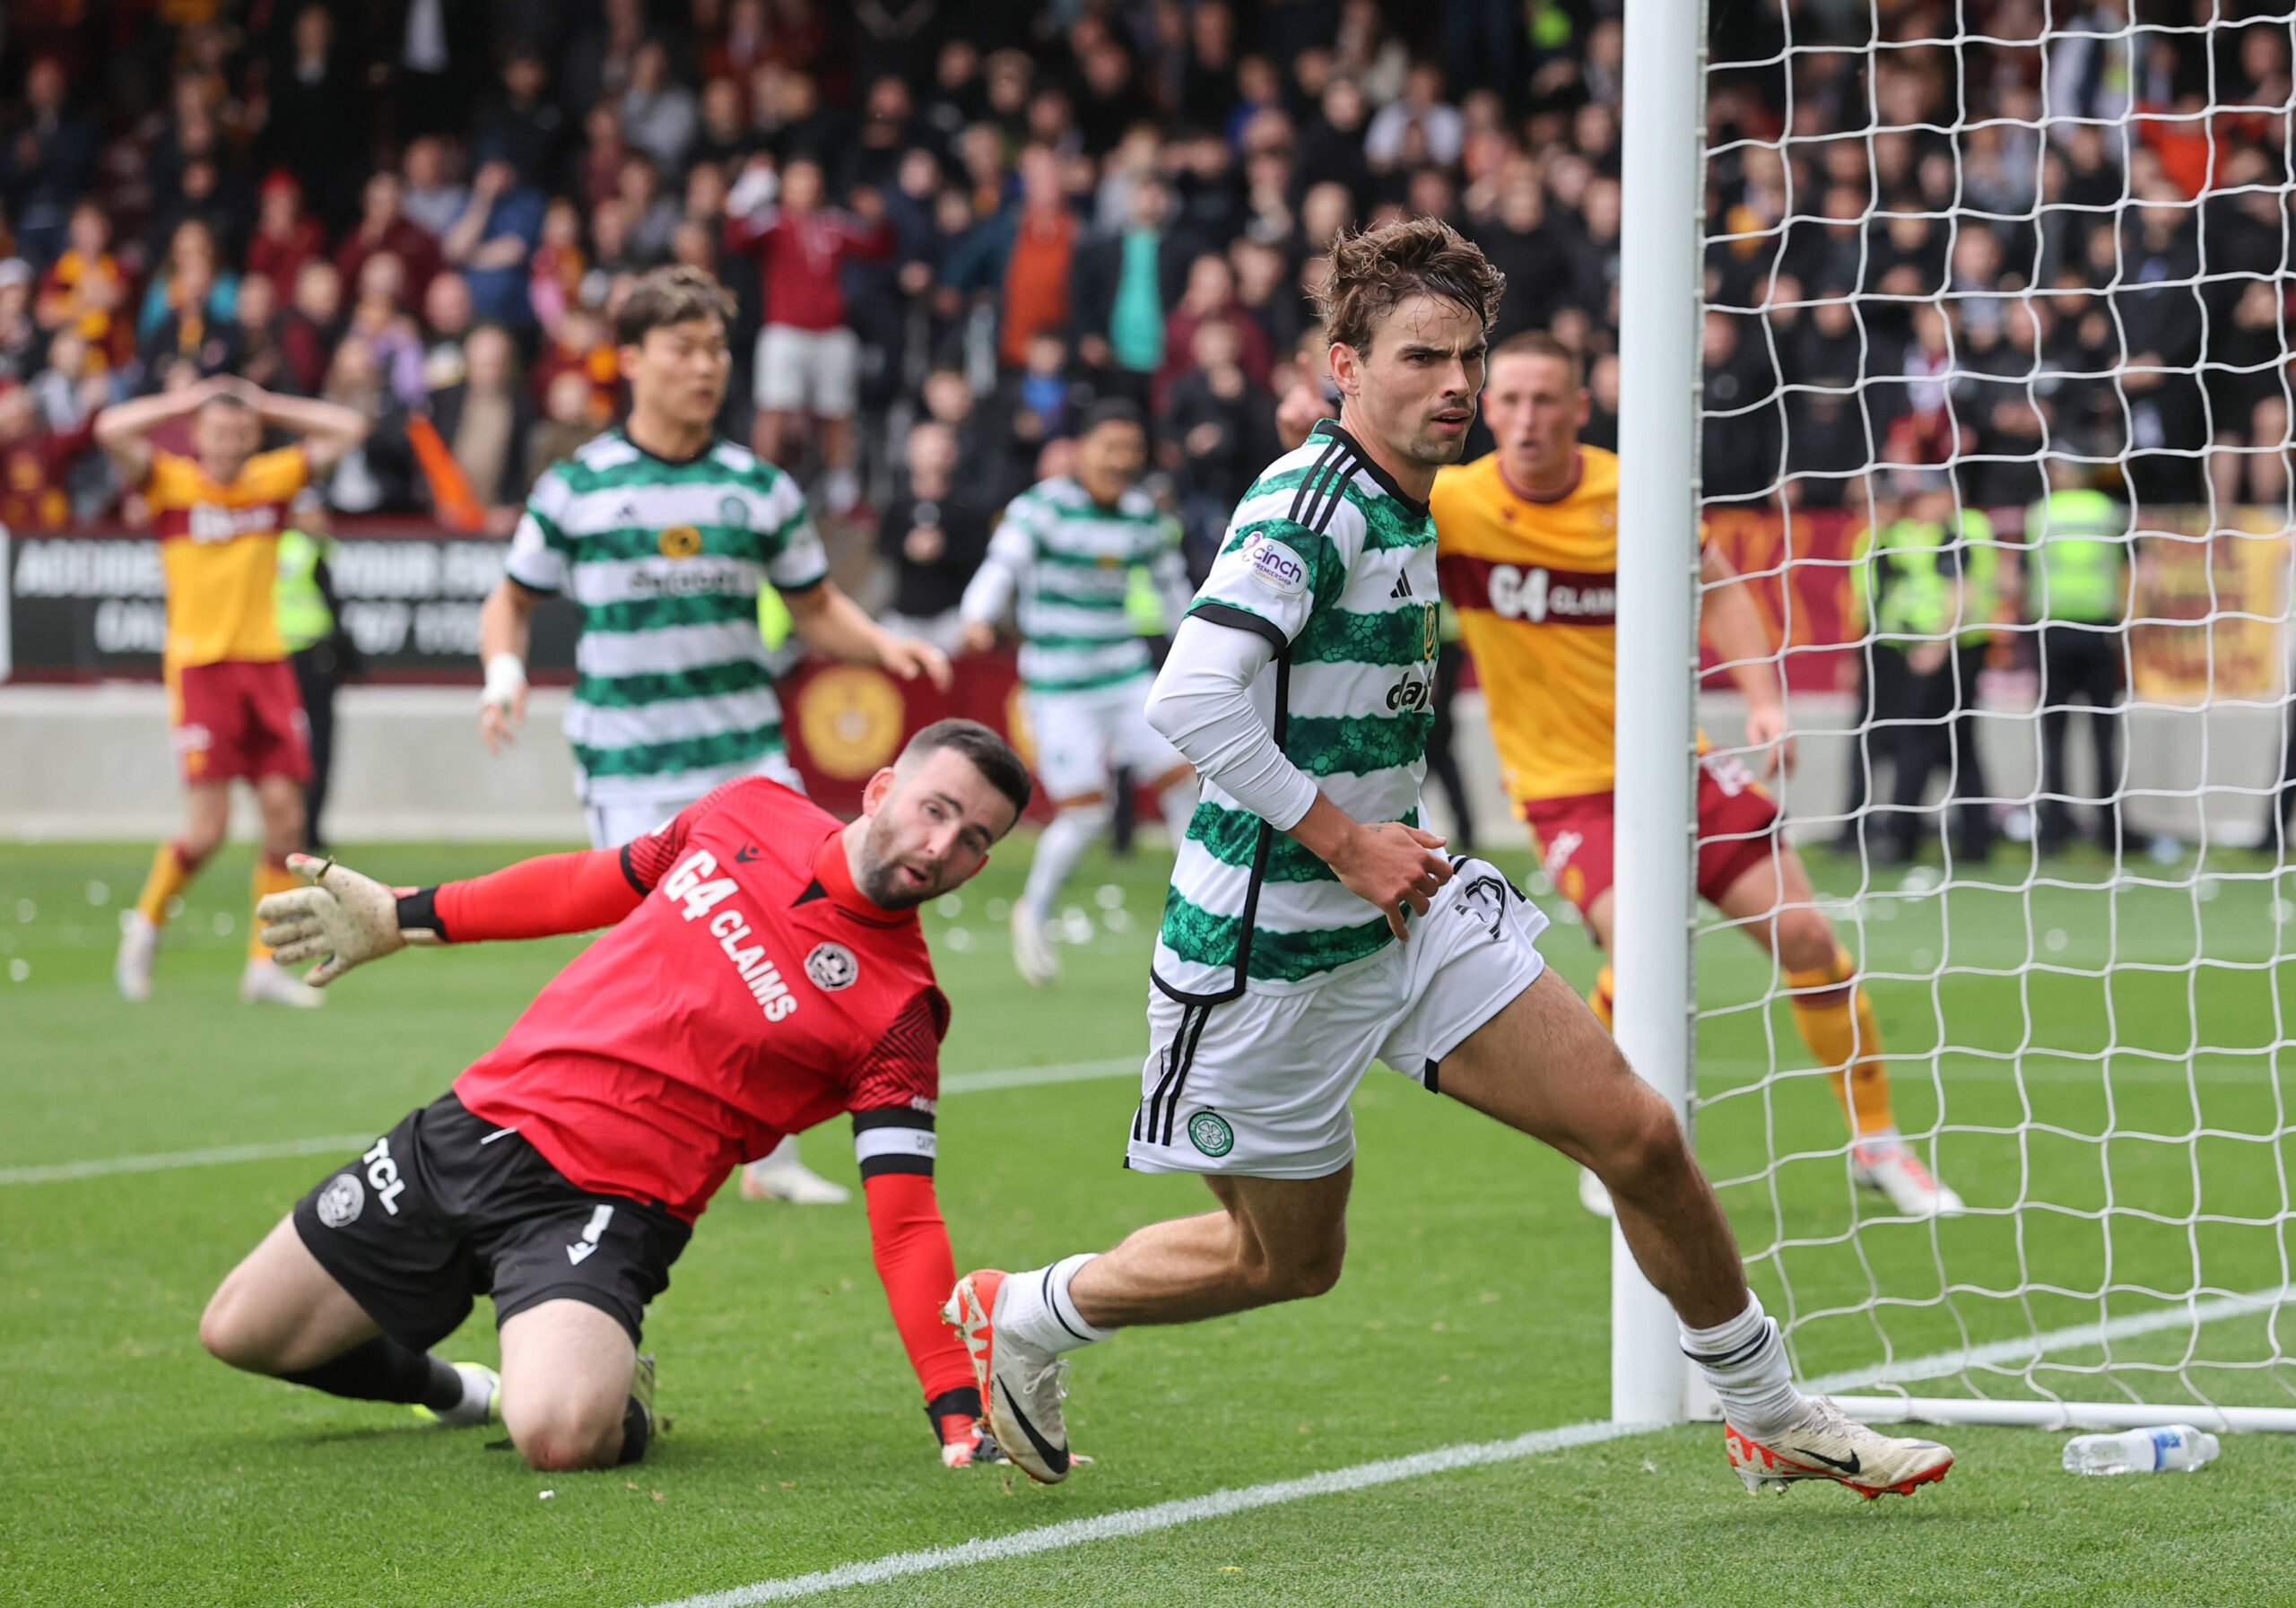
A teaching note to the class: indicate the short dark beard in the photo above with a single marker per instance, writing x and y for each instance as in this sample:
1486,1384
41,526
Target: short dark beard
877,879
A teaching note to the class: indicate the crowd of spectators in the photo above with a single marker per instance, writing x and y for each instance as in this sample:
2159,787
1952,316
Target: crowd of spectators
951,224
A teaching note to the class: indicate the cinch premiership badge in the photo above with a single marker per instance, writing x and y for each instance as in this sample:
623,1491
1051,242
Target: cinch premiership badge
831,966
1275,567
340,1202
1209,1132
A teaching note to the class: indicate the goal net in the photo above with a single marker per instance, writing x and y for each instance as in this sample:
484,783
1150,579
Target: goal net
1994,423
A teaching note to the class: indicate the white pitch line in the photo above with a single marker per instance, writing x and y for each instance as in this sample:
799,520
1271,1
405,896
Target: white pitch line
1163,1515
1220,1504
962,1083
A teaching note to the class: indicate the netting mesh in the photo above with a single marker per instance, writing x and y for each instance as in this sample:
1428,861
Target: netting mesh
1995,427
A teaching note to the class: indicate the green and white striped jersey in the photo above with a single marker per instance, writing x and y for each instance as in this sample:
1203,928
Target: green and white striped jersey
1064,563
1329,560
673,690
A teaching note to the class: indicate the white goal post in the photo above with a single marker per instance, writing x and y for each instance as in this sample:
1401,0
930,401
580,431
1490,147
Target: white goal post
2100,1057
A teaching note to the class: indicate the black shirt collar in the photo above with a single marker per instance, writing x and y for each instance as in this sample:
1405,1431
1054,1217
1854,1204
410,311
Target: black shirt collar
1330,430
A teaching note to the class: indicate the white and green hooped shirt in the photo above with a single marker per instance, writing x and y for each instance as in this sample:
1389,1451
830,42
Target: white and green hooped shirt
1328,561
1065,563
673,692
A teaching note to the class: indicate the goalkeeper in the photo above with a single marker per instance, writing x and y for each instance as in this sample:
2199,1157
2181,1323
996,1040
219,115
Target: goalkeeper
1528,543
764,971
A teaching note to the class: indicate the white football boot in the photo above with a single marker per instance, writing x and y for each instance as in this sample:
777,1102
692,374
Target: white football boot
1595,1195
481,1402
1032,954
1829,1444
1021,1386
783,1176
1890,1166
131,968
265,983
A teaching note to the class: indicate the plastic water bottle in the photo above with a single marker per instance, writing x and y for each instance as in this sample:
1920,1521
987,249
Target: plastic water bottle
2140,1451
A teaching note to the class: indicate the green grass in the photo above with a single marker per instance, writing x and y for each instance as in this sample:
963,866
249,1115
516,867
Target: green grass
133,1469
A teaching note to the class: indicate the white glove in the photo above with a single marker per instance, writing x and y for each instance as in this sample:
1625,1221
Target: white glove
342,920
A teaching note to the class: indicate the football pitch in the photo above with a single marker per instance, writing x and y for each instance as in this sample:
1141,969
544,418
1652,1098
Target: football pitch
1473,1312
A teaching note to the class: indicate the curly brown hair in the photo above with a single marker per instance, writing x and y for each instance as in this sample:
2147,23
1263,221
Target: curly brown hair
1374,272
672,295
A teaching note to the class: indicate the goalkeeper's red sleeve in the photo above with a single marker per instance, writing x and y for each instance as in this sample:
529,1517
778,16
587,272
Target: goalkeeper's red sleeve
911,1246
553,893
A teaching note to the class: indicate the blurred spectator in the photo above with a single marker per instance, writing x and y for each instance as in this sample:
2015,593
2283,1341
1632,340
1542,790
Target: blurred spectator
1125,287
658,114
1210,297
20,344
190,329
933,534
447,318
315,123
808,360
579,346
1022,257
429,194
191,250
260,336
312,324
51,154
384,226
519,125
555,272
493,240
565,424
652,217
1422,108
1218,432
486,420
285,235
86,288
36,462
378,476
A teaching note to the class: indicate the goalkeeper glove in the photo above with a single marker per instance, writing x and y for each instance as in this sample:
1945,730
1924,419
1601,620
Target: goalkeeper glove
343,919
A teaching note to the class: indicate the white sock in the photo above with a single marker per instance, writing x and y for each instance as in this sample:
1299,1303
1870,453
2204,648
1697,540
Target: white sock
1745,1362
475,1390
1178,803
1881,1141
1058,849
1039,1308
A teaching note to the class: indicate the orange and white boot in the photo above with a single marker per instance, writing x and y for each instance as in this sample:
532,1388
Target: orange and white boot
1021,1385
1828,1444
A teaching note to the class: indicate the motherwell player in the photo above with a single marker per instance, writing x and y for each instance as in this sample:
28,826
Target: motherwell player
765,971
232,704
1528,553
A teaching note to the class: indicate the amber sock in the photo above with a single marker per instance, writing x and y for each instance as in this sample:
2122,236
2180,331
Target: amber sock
1603,998
1843,1034
171,873
271,876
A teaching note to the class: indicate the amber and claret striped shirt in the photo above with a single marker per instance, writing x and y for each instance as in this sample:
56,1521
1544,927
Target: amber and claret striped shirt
1535,585
219,546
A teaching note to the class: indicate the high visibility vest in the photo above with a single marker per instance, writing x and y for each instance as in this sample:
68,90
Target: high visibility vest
296,601
2076,543
1981,578
1907,595
1143,605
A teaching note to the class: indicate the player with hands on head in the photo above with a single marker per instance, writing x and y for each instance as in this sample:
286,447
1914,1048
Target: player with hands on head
764,971
1062,559
1529,558
1299,684
662,533
234,710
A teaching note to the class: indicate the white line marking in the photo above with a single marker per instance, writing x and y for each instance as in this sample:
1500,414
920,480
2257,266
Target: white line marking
962,1083
62,1170
1220,1504
1163,1515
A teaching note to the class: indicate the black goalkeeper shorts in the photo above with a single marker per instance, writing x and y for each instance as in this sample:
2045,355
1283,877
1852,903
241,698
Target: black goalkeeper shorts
446,1208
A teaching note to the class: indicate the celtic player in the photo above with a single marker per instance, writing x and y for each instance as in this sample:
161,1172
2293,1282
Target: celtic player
664,531
1063,558
1312,926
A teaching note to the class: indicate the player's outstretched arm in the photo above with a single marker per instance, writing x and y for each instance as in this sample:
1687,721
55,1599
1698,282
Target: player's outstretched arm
345,919
910,1243
1732,626
830,622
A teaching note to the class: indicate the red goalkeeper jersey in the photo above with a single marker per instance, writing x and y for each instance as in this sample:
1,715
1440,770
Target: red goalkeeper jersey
753,992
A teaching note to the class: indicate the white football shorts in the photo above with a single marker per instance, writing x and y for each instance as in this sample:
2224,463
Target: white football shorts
1258,1085
808,370
627,816
1082,737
